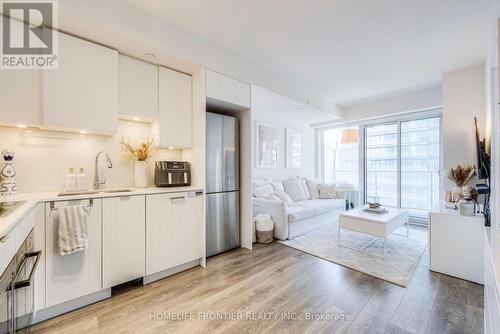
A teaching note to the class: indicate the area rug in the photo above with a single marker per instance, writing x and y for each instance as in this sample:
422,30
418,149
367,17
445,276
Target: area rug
401,259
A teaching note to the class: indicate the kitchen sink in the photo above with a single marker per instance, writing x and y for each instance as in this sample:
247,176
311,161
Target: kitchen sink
93,192
76,193
116,191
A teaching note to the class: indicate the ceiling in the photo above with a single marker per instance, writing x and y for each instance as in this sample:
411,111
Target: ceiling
345,50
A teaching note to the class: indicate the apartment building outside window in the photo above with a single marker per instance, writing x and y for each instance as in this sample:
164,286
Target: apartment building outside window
395,162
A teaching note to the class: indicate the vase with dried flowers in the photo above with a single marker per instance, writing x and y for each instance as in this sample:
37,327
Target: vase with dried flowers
140,154
460,176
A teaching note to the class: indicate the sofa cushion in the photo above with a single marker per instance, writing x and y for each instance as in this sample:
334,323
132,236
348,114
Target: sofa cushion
306,189
313,186
278,186
263,191
327,191
307,209
284,197
295,190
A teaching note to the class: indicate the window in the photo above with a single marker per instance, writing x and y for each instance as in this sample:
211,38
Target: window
341,156
400,161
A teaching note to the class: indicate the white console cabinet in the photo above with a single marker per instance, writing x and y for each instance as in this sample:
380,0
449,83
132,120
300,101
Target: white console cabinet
457,245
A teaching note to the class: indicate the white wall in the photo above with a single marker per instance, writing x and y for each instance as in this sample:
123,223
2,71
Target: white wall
419,99
464,96
269,107
42,163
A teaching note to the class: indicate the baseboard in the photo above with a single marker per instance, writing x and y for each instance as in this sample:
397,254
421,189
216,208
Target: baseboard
56,310
172,271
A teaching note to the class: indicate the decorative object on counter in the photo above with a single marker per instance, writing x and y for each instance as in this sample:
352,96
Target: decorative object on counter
373,205
448,196
71,180
460,176
8,186
81,180
264,227
140,154
379,210
466,205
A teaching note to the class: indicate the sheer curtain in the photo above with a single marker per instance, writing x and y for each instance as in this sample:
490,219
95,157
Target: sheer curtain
341,156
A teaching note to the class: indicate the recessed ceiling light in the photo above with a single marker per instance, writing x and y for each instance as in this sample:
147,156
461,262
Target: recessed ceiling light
22,126
137,119
83,132
171,148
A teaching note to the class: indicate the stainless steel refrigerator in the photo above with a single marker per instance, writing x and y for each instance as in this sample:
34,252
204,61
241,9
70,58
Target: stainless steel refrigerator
223,197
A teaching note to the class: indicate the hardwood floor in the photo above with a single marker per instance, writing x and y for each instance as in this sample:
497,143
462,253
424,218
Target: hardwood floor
269,289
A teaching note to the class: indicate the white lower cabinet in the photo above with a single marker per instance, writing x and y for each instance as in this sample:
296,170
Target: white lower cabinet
123,241
174,230
75,275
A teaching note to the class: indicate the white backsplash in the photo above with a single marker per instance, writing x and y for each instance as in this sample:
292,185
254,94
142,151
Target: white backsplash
43,163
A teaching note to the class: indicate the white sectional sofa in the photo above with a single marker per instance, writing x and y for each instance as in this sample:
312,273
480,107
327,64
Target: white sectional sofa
296,217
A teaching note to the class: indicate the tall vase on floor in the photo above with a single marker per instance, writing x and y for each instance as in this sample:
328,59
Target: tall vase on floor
140,174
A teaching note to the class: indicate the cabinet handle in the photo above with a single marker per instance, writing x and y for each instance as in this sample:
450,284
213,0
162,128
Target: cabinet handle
177,198
4,238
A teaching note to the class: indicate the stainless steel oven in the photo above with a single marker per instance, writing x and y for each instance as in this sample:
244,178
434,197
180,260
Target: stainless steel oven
17,289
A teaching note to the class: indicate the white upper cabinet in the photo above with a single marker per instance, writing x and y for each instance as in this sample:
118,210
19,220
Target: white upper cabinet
20,97
138,87
225,89
82,94
175,94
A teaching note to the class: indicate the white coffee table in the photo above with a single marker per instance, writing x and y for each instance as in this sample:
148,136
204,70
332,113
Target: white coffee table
377,225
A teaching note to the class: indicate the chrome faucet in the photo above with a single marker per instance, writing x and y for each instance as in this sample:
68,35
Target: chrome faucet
97,180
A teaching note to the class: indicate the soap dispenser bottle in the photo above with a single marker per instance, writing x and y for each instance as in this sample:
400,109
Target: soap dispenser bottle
71,183
81,180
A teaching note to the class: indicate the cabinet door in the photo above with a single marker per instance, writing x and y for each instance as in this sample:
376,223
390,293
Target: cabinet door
226,89
20,97
82,94
174,126
174,230
75,275
123,240
138,87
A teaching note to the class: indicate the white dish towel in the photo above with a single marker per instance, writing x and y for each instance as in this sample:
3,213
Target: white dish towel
73,229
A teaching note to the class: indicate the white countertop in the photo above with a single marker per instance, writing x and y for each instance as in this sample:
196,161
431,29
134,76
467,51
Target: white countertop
8,222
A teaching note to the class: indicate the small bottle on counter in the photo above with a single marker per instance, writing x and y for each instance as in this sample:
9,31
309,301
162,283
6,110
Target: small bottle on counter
71,183
81,180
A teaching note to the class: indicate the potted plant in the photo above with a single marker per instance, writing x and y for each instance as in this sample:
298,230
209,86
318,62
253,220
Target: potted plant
460,176
140,154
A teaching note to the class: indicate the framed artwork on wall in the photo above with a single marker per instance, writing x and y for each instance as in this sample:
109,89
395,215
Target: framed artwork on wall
293,144
267,145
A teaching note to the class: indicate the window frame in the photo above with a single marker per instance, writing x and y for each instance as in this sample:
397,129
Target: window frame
362,125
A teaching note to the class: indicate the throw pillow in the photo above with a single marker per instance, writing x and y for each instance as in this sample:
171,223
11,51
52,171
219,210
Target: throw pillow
284,197
327,191
263,191
313,186
278,186
295,190
306,189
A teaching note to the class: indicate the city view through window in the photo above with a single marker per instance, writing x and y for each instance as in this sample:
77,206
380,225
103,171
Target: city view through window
401,165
